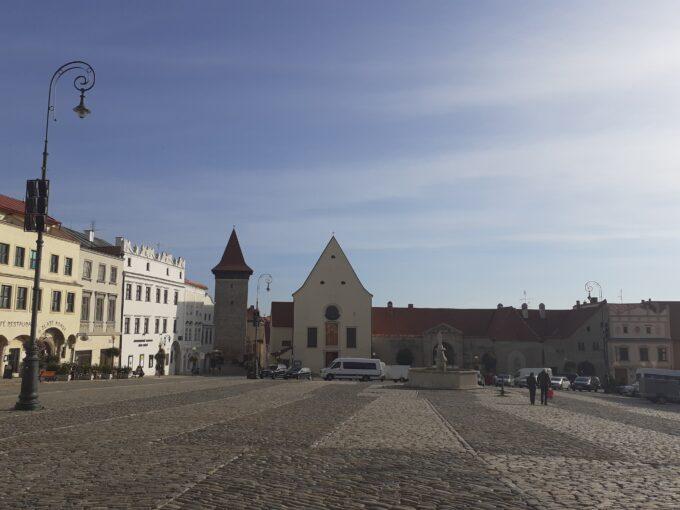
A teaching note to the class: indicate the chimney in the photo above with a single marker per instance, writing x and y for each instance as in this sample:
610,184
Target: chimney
90,234
525,311
541,311
499,306
578,304
410,305
119,241
389,304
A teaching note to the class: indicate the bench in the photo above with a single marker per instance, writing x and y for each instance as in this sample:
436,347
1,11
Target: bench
48,375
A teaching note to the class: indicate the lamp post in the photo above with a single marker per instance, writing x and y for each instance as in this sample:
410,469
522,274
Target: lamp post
256,319
36,211
604,324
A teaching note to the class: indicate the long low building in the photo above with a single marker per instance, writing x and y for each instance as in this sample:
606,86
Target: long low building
332,315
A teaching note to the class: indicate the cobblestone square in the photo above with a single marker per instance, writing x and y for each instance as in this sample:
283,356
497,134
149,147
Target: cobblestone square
182,442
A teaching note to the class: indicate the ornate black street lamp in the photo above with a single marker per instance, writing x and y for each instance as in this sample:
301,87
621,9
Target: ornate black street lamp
256,320
35,215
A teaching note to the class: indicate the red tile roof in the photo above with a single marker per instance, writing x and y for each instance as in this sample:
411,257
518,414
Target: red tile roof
195,284
232,260
282,314
15,206
502,324
415,321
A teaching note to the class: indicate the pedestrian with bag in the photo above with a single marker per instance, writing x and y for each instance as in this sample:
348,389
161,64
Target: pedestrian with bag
531,384
543,381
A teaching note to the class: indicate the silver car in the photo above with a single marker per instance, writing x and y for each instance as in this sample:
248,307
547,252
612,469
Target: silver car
559,382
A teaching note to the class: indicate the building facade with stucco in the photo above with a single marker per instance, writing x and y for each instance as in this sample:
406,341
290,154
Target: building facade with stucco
153,288
60,291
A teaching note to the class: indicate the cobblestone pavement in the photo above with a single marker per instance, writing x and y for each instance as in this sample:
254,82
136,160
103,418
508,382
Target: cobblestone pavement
182,442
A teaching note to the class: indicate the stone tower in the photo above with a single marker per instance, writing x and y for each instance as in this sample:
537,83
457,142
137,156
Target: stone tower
231,301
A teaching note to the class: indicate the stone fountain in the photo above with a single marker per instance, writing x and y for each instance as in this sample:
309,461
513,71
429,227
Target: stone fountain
440,377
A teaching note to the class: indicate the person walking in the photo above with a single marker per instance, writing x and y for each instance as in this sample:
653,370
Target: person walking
531,384
543,381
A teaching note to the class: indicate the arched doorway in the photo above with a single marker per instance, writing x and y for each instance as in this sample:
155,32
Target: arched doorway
3,346
450,354
586,368
404,357
489,363
16,352
159,358
516,360
175,359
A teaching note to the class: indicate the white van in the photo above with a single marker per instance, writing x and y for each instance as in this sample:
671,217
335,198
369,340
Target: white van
522,374
365,369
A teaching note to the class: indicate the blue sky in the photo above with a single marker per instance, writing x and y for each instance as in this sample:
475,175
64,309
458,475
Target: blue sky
462,152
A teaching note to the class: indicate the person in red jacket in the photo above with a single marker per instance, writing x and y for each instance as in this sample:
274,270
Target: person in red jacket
543,381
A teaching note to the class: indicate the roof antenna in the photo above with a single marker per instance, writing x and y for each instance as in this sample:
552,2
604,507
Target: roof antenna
525,299
621,295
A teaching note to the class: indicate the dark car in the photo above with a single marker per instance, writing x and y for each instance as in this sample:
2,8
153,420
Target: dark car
291,373
586,382
280,372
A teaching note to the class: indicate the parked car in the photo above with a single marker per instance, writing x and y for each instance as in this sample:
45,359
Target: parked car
504,380
267,371
630,390
586,382
304,373
559,382
571,377
280,372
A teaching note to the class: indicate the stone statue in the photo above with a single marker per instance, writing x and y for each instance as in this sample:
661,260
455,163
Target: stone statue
441,353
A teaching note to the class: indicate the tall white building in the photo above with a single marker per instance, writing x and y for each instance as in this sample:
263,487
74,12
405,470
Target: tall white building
153,288
196,313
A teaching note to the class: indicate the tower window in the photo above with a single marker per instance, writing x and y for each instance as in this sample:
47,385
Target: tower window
322,282
342,282
332,256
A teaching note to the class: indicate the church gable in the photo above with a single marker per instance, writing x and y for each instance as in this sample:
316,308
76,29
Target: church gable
333,269
444,329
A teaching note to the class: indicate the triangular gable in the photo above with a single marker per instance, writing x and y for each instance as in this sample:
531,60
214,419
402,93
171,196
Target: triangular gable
444,328
332,249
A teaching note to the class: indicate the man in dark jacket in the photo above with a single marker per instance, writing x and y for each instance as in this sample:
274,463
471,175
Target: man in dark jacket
543,381
531,384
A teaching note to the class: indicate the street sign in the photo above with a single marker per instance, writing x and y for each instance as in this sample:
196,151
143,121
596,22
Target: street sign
35,205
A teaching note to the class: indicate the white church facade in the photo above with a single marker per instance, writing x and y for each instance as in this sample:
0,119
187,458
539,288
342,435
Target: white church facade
332,312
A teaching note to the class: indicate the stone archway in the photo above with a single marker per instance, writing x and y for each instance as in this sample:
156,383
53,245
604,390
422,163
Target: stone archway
52,341
450,354
516,360
16,351
4,343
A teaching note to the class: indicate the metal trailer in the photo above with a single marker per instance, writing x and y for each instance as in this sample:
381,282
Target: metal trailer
659,385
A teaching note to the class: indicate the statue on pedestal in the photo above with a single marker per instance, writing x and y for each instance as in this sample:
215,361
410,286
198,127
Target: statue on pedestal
441,354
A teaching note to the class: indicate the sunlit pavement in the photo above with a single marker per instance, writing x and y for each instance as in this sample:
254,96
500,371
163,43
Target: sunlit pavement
183,442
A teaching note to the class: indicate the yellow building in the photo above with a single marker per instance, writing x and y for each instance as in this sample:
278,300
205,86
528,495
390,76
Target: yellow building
60,296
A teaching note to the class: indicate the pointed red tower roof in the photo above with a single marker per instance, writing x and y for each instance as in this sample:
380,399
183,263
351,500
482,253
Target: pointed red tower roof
232,262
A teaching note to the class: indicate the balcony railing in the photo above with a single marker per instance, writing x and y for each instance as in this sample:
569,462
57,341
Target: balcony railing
110,327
